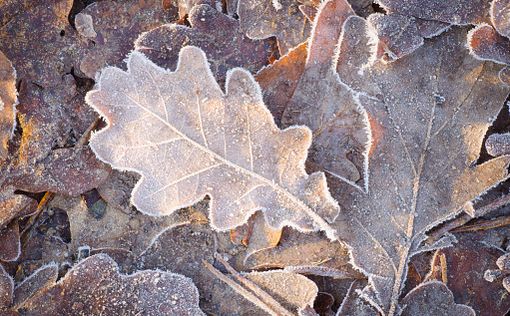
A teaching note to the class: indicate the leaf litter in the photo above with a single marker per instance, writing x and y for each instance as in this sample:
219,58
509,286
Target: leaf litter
365,99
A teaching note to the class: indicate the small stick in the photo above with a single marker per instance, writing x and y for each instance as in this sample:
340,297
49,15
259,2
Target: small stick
266,298
239,289
484,225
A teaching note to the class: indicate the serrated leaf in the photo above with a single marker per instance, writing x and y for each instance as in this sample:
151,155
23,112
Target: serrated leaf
188,139
415,120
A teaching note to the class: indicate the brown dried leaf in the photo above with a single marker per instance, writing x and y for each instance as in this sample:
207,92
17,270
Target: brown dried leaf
6,290
280,18
279,80
486,44
465,265
8,101
327,106
228,48
417,119
500,16
40,280
433,299
240,158
9,242
94,287
457,12
117,24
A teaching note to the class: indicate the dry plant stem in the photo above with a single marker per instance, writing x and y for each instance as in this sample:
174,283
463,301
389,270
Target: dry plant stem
239,289
323,271
44,201
444,271
86,135
455,224
484,225
266,298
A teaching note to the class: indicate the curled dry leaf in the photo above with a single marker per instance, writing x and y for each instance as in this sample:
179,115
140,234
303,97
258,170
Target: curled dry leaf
433,299
486,44
458,12
117,24
159,120
327,106
8,101
416,119
228,48
95,287
280,18
500,16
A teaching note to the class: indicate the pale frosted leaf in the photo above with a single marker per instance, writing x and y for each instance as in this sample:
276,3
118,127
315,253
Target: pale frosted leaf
188,139
95,287
433,299
280,18
500,16
415,120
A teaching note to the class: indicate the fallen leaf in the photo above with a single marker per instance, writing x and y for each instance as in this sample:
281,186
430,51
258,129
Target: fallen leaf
327,106
280,18
10,246
279,80
412,186
6,290
240,158
41,279
94,287
500,16
229,47
457,12
433,298
8,101
486,44
117,24
498,144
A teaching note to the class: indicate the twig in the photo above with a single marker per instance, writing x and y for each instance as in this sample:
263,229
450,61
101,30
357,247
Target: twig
239,289
484,225
44,201
250,285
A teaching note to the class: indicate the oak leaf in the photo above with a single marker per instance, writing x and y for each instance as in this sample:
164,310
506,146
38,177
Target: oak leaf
280,18
158,120
415,120
95,287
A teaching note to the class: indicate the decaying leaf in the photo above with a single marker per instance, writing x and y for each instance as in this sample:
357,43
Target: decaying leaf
6,290
8,101
433,298
327,106
279,80
159,120
95,287
416,119
280,18
9,238
458,12
41,279
500,16
486,44
229,47
117,24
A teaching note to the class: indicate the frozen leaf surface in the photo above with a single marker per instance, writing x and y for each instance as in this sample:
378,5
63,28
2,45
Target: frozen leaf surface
433,298
416,120
500,16
327,106
498,144
95,287
280,18
117,24
458,12
228,48
8,100
6,290
159,119
487,44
